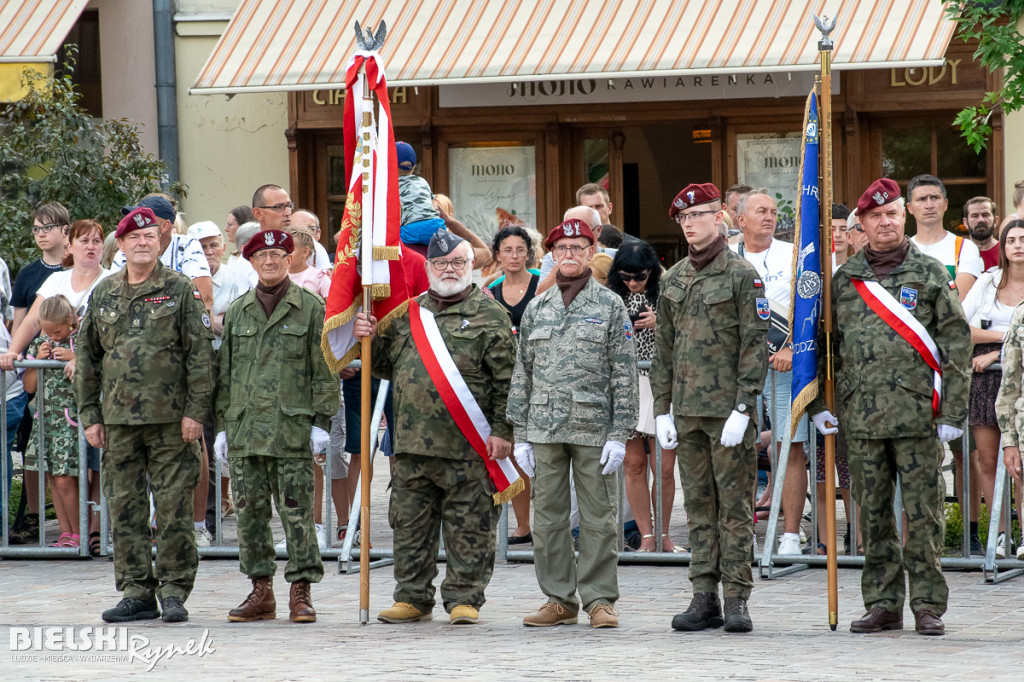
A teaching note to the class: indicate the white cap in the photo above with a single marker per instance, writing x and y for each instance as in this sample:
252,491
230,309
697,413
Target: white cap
204,229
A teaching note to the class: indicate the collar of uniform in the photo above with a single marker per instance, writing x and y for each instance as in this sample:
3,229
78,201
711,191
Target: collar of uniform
856,266
716,265
587,295
467,306
155,281
292,297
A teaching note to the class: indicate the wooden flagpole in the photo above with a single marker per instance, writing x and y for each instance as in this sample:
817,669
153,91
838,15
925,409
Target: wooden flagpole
825,123
366,278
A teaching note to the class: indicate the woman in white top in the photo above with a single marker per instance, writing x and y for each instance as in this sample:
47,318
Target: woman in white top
988,307
76,284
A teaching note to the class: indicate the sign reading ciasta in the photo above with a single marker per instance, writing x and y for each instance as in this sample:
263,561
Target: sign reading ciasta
492,187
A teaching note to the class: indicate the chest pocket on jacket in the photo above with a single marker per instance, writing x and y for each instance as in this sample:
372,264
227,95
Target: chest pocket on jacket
469,351
162,330
293,340
721,308
108,324
243,341
589,343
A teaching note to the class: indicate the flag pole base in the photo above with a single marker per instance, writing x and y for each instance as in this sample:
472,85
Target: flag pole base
364,617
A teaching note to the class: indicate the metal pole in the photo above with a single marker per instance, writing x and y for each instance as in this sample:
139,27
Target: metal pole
5,454
40,458
965,493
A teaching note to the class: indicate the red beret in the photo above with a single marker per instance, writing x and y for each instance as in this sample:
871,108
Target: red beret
569,229
268,239
693,195
136,220
881,192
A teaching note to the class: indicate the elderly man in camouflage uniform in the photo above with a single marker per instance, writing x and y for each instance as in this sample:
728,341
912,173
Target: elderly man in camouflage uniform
275,400
709,364
439,482
574,403
143,383
890,300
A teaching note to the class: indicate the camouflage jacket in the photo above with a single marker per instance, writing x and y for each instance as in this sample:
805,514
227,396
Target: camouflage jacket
274,385
710,354
883,387
1010,401
478,334
147,349
576,376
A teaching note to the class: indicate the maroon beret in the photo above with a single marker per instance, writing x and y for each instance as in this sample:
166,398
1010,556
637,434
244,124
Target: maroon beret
268,239
693,195
569,229
136,220
881,192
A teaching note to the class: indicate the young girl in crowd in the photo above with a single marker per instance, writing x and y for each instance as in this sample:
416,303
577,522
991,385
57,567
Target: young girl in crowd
57,342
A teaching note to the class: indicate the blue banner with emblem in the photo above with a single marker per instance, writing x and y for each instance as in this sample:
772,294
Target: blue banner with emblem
805,311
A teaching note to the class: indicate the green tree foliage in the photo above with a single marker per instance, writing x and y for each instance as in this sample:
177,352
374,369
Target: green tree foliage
993,23
51,149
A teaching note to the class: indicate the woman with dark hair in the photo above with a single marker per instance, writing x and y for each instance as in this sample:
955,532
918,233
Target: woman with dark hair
635,275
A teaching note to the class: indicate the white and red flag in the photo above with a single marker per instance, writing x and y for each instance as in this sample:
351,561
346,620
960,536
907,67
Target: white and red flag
369,253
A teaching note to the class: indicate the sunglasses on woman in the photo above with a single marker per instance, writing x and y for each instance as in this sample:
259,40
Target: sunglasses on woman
627,277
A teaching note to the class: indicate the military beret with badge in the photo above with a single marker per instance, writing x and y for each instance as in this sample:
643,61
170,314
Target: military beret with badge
879,193
570,229
136,219
268,239
693,195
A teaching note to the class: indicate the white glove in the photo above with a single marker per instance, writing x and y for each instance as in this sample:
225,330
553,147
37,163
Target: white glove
666,430
735,427
612,455
523,453
220,449
948,433
819,422
319,440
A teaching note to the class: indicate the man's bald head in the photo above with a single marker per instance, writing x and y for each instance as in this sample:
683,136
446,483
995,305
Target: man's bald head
588,215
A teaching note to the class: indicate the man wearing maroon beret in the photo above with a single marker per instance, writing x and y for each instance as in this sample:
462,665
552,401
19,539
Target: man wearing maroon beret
275,400
574,403
902,355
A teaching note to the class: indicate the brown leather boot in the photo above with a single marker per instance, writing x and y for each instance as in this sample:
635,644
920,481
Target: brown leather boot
259,605
300,604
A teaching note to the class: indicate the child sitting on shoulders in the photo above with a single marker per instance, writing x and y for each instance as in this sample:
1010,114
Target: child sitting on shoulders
420,220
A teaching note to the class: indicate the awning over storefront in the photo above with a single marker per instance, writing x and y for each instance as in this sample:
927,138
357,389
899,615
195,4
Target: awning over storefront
275,45
31,33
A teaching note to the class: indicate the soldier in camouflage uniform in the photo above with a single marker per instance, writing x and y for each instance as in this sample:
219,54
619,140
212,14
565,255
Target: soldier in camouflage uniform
275,400
574,401
439,482
709,365
143,383
884,394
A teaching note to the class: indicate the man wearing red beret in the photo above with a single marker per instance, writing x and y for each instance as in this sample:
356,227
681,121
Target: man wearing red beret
574,403
143,384
902,355
275,400
709,364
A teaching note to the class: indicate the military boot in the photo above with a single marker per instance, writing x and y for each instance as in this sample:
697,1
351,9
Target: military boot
259,605
300,603
736,617
705,611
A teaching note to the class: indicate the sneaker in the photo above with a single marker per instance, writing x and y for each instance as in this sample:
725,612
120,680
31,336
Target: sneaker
1020,552
1000,551
130,608
203,538
603,616
174,610
789,544
551,614
976,548
321,536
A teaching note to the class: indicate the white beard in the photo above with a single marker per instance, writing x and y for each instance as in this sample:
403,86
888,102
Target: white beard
449,287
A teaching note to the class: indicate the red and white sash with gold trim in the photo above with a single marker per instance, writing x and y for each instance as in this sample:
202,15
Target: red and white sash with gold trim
906,325
459,400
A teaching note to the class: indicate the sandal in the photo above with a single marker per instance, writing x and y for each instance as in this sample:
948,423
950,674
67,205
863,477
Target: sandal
73,540
676,549
642,538
94,543
822,548
64,537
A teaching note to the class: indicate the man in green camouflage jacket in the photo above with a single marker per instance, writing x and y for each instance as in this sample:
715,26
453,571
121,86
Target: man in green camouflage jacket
275,400
574,401
143,382
439,483
710,362
888,399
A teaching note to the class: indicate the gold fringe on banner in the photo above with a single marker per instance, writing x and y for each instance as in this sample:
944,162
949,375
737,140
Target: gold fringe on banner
516,487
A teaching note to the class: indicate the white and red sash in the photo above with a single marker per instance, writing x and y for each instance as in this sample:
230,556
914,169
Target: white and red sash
906,325
459,400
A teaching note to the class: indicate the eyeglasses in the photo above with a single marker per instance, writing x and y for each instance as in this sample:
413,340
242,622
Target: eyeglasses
442,265
44,229
642,277
261,256
683,217
855,228
279,208
513,252
575,249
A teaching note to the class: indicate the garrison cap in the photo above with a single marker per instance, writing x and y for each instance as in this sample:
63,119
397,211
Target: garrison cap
442,243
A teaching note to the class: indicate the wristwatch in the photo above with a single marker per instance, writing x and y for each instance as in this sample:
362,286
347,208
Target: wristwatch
743,408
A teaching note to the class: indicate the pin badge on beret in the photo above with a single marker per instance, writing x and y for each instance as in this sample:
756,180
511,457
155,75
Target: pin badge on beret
140,220
268,237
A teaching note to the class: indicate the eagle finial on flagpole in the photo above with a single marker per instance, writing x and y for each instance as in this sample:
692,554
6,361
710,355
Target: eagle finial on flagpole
826,26
370,42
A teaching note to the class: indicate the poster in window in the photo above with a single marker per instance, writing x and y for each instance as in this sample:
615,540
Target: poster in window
770,160
492,187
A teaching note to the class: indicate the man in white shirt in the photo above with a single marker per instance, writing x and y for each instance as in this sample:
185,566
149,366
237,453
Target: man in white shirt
927,202
178,252
757,216
319,259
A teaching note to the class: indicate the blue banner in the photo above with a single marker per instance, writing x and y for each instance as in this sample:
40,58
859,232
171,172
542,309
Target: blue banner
807,264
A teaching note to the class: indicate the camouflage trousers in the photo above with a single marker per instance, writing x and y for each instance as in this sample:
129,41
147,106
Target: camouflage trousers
559,572
289,480
156,451
430,495
718,488
874,464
